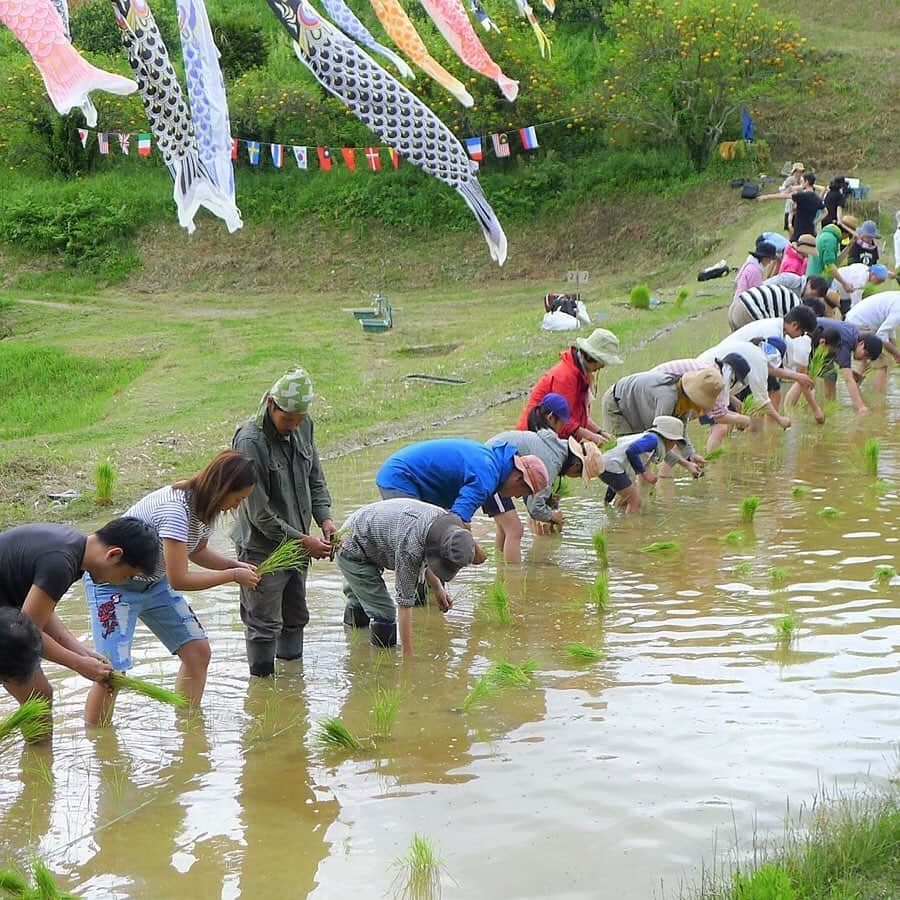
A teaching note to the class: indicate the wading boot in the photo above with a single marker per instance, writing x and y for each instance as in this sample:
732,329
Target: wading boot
383,634
356,617
261,656
290,644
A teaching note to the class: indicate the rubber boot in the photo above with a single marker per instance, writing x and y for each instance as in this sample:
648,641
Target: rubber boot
290,645
261,656
356,617
383,634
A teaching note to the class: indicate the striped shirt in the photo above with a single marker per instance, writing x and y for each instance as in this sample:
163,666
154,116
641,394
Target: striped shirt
768,301
391,534
170,512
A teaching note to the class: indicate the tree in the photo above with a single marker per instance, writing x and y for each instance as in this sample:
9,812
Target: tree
682,70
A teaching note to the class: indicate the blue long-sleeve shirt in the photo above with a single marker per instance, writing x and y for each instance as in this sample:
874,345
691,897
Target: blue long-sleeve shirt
454,473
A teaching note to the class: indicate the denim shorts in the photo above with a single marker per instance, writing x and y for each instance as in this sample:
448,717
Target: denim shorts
115,609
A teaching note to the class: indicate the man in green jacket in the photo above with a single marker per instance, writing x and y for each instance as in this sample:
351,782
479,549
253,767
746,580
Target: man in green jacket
290,493
828,243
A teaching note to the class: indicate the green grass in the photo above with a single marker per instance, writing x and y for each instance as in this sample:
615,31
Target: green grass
495,607
385,706
419,872
599,542
333,734
104,480
598,592
749,505
661,547
583,653
120,682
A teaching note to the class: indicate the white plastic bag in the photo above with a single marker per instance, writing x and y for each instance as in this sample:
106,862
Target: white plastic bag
582,313
559,321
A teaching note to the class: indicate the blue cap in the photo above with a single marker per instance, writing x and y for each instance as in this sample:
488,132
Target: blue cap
558,405
879,271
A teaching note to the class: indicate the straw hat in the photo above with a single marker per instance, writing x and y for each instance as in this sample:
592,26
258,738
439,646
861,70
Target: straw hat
702,388
590,456
798,167
601,345
849,224
805,245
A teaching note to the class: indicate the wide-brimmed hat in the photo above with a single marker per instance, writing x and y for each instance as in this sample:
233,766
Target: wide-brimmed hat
601,345
805,245
448,546
798,167
868,229
764,250
558,405
669,427
590,456
533,471
702,388
849,224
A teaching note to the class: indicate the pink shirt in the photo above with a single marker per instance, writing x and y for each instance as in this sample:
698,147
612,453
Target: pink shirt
751,275
793,262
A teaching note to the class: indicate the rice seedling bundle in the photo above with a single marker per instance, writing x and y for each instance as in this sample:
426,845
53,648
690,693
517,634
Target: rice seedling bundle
661,546
749,505
752,407
734,537
681,297
289,554
496,605
32,718
871,452
881,487
599,542
334,735
800,490
104,480
561,487
830,512
817,362
778,575
504,674
639,298
598,592
786,626
385,706
12,884
119,682
480,691
883,574
742,569
716,453
419,875
582,652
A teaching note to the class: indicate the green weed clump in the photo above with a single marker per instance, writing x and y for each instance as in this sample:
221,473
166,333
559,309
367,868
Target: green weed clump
884,574
419,875
333,734
32,718
385,706
496,604
639,298
289,554
598,592
800,490
104,481
830,512
583,653
120,682
661,547
871,452
786,627
599,542
749,505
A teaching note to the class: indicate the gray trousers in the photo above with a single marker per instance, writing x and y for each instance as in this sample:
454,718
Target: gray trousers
738,315
613,420
364,588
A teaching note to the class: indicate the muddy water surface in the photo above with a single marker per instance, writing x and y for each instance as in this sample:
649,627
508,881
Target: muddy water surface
605,779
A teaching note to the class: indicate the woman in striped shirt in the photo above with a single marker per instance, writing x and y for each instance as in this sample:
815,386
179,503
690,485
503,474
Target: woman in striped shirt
184,514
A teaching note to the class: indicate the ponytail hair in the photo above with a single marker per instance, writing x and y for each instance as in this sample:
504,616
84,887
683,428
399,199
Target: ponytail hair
228,472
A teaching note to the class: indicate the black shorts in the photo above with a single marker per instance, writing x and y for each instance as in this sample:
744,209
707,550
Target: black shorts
618,481
773,384
495,504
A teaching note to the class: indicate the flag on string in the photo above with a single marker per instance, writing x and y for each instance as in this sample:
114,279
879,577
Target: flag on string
395,158
103,141
349,155
277,155
373,158
300,156
144,144
83,135
124,142
501,144
324,158
529,138
473,145
253,152
234,148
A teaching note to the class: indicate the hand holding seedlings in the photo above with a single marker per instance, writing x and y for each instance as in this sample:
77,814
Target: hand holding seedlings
245,575
316,547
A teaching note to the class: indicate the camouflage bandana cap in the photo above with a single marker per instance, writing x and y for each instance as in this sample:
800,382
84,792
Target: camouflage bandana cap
293,393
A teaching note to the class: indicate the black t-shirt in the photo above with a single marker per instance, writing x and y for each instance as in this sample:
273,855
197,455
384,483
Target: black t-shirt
834,197
48,556
806,205
860,254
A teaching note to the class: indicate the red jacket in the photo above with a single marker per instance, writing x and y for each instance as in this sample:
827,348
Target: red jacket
568,379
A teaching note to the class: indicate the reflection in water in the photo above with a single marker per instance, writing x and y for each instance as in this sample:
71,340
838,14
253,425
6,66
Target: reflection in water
615,773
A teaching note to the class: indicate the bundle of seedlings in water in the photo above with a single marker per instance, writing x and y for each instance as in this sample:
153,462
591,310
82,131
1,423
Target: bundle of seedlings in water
749,505
599,542
778,575
584,653
830,512
496,604
419,875
333,734
32,718
120,682
503,674
13,884
884,574
661,546
104,480
752,407
639,298
289,554
715,453
598,592
817,362
742,569
871,452
561,488
480,692
881,487
786,627
800,490
385,706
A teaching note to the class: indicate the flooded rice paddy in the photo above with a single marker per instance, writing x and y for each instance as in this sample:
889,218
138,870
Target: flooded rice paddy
609,778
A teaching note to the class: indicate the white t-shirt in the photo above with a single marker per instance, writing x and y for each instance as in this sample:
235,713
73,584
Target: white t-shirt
757,379
878,313
857,276
798,349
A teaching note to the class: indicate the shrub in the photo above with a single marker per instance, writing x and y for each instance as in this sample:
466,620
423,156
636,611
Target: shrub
242,46
639,297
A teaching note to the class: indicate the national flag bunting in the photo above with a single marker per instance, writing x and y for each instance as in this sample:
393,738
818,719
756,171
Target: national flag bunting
124,142
395,158
349,155
144,144
277,155
324,155
300,156
103,141
473,145
253,152
234,148
501,144
373,158
83,135
529,138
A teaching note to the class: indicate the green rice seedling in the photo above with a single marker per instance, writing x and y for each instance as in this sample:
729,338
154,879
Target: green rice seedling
119,682
32,718
881,487
561,488
751,407
749,505
334,735
599,542
598,592
609,444
871,452
830,512
800,490
681,298
419,875
583,653
13,884
734,537
104,481
503,674
479,693
44,883
661,546
778,574
817,361
639,298
289,554
786,627
884,574
496,604
385,706
715,453
742,569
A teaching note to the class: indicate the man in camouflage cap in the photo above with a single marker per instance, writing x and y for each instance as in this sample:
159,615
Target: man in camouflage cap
290,493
